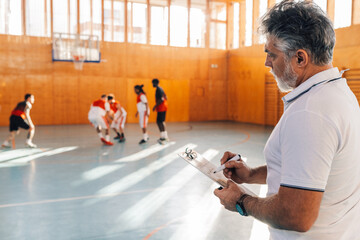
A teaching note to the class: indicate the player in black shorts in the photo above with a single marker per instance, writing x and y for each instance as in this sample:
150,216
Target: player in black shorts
20,118
161,108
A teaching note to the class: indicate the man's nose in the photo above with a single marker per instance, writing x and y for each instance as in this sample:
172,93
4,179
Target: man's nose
268,63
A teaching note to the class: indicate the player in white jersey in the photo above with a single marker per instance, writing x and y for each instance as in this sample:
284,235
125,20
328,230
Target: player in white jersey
143,111
118,123
99,110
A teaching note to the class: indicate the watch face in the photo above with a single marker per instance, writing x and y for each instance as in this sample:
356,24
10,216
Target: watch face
238,208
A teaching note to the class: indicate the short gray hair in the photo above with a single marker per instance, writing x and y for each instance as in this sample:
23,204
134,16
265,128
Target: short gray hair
300,25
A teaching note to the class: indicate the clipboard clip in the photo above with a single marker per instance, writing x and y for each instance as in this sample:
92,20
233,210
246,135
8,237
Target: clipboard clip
190,153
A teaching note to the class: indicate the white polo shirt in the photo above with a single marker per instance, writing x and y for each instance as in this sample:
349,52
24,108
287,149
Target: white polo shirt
316,146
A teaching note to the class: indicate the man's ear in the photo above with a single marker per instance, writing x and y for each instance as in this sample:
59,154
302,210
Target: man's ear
302,58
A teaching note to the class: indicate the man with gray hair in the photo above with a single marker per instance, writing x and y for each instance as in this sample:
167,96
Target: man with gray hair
312,156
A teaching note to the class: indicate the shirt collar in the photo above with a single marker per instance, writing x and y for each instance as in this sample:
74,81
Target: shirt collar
317,79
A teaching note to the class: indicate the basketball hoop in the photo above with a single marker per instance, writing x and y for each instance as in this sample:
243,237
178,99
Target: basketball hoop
78,61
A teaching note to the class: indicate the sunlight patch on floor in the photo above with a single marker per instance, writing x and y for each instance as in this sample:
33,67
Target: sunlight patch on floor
140,213
26,159
142,173
200,219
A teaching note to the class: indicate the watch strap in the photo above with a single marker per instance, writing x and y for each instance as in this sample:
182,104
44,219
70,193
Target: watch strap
241,204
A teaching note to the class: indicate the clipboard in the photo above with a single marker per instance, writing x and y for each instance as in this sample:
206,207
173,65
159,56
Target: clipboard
208,168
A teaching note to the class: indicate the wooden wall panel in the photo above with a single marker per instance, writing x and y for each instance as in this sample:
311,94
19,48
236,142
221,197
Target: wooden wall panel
198,100
63,95
121,86
353,79
202,84
208,87
41,86
12,91
271,101
246,88
217,85
36,56
137,63
66,95
12,50
178,99
274,106
114,63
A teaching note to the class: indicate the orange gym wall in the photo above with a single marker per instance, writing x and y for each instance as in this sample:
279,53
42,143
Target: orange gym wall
195,91
246,74
201,84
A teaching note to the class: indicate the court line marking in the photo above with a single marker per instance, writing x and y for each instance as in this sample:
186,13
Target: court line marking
75,198
240,142
161,227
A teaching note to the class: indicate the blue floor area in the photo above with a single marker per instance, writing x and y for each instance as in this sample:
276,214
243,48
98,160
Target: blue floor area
73,187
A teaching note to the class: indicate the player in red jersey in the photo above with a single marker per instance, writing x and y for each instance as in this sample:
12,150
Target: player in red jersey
20,118
118,123
99,110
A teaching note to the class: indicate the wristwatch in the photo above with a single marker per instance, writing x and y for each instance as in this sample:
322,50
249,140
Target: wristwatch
240,205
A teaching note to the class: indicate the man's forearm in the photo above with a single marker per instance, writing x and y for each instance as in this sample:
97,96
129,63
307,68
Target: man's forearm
289,209
264,209
28,118
258,175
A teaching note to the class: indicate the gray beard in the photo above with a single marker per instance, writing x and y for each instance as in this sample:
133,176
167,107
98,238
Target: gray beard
288,81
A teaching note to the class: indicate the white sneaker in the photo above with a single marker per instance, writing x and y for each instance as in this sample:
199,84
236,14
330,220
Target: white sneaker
163,141
30,144
6,144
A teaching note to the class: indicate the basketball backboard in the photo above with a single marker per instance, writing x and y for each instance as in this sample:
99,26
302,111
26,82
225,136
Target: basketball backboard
65,46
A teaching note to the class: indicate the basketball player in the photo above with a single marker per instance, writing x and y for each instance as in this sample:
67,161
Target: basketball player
161,108
143,111
99,110
20,118
118,123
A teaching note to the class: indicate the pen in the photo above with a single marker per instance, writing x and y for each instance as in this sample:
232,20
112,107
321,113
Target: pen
222,167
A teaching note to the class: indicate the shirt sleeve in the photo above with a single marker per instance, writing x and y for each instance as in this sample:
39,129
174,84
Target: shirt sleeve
143,98
308,146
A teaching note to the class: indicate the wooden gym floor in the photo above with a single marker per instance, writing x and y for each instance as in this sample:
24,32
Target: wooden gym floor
73,187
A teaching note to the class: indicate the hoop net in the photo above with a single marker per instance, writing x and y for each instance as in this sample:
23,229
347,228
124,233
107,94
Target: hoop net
78,61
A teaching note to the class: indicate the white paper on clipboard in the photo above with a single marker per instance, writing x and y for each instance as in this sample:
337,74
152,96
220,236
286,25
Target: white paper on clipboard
208,168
